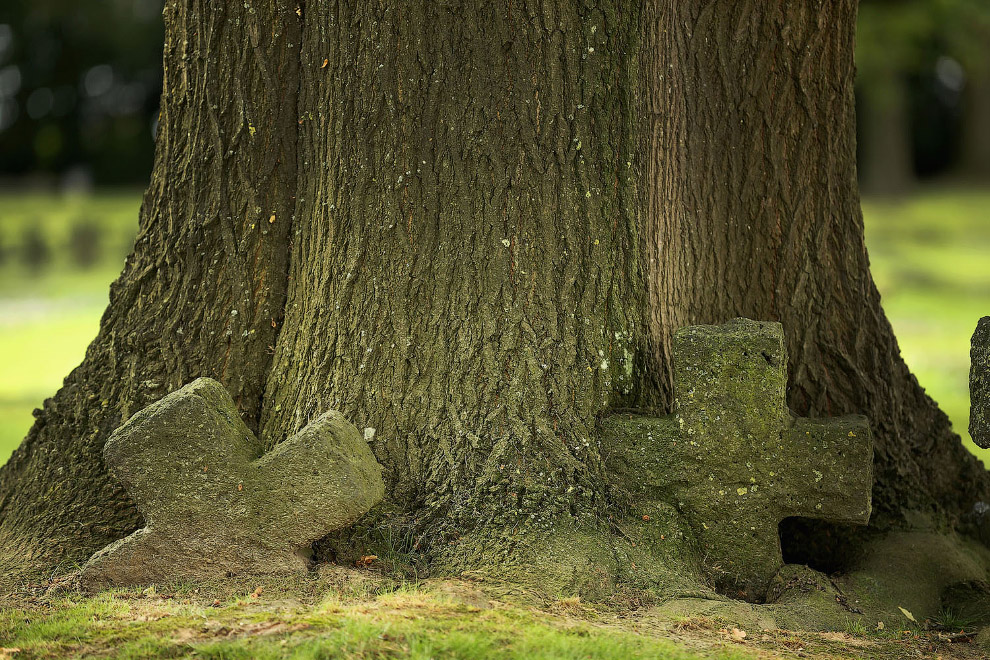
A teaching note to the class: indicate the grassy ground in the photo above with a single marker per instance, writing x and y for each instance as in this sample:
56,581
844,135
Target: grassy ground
346,616
929,257
929,260
50,312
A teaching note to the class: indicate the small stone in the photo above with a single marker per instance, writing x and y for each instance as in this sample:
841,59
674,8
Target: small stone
979,384
215,505
749,463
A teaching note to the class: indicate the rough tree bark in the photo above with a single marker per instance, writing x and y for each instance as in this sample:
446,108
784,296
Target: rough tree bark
474,227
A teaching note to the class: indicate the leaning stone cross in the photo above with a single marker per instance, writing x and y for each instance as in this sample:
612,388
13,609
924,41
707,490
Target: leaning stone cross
214,505
979,385
734,461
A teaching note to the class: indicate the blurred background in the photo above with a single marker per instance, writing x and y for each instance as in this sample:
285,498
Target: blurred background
79,87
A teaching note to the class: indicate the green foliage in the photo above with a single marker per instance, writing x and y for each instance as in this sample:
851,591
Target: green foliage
897,36
965,29
856,627
951,621
891,36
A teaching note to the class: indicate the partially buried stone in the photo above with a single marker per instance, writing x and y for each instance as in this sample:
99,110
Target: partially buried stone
214,505
979,384
734,460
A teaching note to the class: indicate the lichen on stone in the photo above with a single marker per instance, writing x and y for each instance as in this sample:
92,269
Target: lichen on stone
214,505
979,385
733,458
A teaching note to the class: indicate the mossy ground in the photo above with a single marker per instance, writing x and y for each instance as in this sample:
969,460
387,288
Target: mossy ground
361,613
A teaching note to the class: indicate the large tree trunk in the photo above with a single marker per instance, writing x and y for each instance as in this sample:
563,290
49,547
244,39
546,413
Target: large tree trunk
474,227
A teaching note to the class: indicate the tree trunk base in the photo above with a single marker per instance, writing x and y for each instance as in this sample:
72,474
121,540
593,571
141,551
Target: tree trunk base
596,558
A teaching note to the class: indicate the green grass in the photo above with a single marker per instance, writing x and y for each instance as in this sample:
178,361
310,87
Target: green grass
928,253
409,623
48,318
929,257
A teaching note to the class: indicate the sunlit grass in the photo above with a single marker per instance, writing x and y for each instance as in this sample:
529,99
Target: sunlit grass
409,624
50,312
929,257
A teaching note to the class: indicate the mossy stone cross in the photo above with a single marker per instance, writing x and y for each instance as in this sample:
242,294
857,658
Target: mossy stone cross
732,458
979,384
214,505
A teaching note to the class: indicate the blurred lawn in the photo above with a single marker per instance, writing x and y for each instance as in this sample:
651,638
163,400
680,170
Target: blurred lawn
48,317
929,255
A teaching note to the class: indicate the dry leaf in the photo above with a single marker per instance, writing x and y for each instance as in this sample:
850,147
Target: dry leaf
737,635
907,614
366,560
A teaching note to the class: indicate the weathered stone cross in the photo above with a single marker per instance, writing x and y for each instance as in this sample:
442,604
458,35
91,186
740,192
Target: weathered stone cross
734,461
979,385
214,505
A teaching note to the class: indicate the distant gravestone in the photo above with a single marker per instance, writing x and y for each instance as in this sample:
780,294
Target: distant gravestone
35,252
979,384
214,505
733,459
85,243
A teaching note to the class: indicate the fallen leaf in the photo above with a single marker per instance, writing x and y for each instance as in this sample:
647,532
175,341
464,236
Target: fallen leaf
8,652
737,635
880,625
257,592
325,63
366,560
907,614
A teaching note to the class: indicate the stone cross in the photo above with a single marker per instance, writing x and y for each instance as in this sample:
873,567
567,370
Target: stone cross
979,385
214,505
732,458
